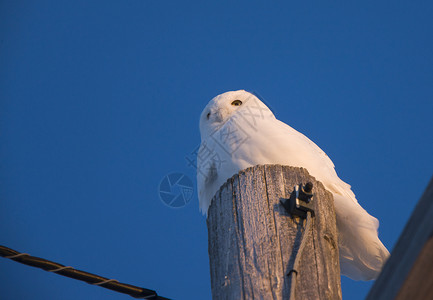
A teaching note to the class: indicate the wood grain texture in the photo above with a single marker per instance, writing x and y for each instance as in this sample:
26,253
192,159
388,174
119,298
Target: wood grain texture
412,247
253,241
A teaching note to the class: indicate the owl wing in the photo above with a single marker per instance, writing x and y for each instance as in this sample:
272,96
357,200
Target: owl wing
208,173
274,142
318,162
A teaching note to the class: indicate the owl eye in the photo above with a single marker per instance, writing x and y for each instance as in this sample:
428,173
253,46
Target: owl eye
208,115
237,103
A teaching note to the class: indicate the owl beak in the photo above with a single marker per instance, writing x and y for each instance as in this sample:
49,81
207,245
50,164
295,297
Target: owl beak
219,116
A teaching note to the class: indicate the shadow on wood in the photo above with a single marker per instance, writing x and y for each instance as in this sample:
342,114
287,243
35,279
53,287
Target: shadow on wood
253,241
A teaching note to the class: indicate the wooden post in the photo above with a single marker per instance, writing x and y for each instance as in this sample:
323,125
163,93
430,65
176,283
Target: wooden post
253,241
408,273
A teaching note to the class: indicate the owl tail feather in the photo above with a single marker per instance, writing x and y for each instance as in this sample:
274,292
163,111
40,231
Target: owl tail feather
362,254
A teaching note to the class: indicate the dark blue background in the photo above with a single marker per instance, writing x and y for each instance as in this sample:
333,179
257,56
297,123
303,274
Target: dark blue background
100,100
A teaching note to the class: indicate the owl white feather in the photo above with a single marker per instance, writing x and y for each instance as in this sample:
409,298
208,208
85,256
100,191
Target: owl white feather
239,131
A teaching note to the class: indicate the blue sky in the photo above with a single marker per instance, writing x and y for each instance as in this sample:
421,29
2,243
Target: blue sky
100,100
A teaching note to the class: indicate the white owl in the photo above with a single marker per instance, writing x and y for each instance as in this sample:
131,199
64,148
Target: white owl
239,131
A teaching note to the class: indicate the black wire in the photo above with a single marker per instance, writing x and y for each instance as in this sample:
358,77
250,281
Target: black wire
131,290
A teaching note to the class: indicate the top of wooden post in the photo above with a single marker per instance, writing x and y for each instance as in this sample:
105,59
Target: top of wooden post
253,241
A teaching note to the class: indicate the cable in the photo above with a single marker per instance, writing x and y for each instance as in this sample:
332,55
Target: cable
112,284
298,257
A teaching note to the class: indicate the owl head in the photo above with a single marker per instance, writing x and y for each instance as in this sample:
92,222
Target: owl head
223,107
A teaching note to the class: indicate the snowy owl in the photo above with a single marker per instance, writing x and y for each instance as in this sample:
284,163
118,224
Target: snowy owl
239,131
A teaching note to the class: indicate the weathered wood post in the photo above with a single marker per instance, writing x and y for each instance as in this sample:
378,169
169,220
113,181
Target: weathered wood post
408,273
253,241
